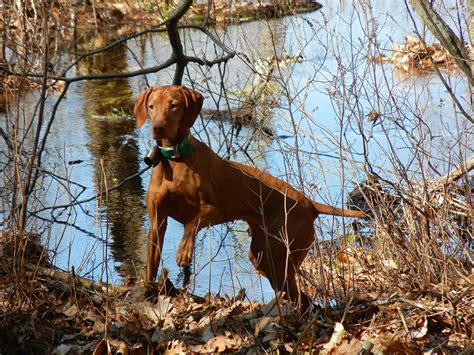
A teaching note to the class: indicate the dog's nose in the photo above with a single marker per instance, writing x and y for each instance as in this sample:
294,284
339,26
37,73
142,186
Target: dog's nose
158,130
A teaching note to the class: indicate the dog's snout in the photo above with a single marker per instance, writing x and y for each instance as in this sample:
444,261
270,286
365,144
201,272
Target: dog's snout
158,129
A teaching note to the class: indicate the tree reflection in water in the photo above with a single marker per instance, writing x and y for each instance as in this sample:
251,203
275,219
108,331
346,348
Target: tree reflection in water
108,119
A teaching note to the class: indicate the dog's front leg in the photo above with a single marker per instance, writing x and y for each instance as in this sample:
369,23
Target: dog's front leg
205,218
184,255
156,235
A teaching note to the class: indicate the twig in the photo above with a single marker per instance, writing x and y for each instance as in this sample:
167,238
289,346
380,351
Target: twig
149,70
115,187
210,35
310,325
395,299
6,138
402,317
178,58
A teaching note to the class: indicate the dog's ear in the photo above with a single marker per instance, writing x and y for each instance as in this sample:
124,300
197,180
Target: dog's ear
194,101
140,110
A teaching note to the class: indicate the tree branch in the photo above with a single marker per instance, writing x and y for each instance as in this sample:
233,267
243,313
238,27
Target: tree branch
440,75
150,70
217,41
175,41
74,203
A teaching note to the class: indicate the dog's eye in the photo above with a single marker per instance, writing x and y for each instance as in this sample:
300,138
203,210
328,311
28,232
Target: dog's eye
150,107
173,106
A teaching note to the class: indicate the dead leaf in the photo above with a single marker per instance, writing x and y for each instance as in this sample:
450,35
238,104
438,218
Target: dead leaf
62,349
261,324
270,337
158,336
373,115
336,338
289,347
157,311
71,311
349,347
205,321
102,348
138,349
222,343
420,332
175,346
393,344
272,309
119,347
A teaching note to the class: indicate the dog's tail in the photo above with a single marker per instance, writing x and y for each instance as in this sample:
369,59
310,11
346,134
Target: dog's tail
334,211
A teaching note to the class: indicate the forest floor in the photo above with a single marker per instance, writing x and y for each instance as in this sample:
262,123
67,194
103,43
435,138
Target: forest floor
46,310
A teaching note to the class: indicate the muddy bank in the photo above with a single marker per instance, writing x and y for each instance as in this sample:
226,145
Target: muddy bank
220,13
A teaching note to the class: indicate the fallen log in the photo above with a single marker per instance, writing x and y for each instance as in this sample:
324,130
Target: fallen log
458,172
72,278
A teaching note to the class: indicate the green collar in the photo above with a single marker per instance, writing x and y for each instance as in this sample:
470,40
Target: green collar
178,150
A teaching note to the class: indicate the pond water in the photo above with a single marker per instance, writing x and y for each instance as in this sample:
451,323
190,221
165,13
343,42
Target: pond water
94,143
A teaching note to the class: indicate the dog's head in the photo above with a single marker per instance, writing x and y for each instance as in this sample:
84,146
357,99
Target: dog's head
172,110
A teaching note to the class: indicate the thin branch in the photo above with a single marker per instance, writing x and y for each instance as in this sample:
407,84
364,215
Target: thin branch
204,30
154,29
6,138
69,225
395,299
115,187
440,75
46,134
149,70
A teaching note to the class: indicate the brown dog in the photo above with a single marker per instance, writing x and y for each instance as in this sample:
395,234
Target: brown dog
199,189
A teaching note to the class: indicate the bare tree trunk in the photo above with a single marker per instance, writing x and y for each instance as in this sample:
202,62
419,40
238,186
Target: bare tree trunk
75,6
445,35
175,41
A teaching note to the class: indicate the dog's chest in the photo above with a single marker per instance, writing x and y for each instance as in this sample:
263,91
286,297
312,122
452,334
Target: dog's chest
180,183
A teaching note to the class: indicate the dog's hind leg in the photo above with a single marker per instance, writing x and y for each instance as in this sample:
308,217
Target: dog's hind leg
272,259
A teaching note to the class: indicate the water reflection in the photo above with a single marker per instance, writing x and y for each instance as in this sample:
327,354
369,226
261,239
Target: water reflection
114,147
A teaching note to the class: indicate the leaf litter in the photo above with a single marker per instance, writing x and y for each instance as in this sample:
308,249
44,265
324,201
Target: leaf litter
45,311
417,57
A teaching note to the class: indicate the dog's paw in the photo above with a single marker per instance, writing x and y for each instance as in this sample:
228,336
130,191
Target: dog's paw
183,260
184,256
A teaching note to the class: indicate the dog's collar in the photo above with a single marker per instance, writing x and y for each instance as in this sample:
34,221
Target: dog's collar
177,151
